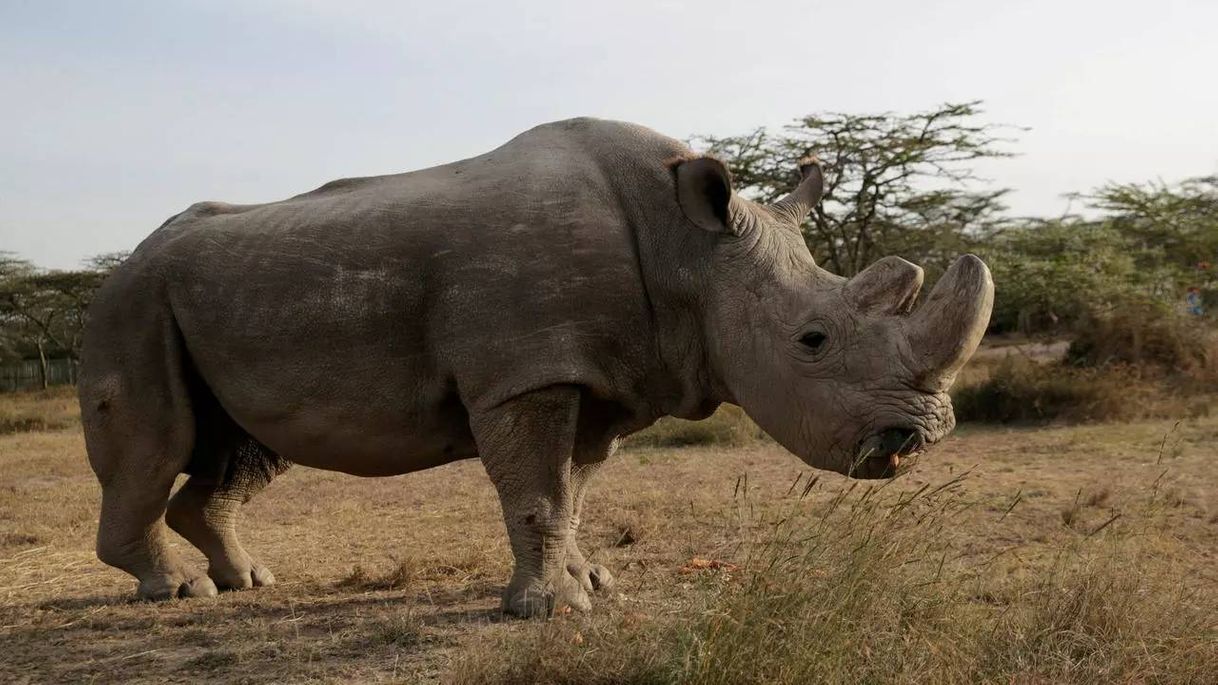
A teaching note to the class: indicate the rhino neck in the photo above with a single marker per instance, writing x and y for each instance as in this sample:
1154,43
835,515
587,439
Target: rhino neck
683,377
756,297
709,308
681,380
681,276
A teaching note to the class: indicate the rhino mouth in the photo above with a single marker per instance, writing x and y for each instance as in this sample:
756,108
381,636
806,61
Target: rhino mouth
881,455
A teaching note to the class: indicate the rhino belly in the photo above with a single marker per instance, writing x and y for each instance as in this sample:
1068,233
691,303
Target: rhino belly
344,383
361,419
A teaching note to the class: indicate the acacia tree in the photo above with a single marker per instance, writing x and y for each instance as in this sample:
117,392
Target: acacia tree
106,262
894,183
1054,273
14,329
1146,244
1171,229
44,311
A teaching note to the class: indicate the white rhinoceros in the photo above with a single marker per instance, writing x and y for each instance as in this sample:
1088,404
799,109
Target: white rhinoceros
527,307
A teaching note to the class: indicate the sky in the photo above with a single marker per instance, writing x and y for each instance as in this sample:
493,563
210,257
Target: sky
116,115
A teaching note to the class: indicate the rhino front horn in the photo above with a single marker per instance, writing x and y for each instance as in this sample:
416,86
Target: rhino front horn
947,329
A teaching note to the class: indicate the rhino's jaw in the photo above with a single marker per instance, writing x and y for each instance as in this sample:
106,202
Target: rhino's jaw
865,439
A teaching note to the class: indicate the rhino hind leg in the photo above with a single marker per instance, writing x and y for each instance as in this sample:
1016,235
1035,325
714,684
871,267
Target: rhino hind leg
138,433
592,577
228,468
131,536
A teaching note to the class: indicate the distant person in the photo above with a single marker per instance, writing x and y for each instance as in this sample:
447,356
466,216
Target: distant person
1192,301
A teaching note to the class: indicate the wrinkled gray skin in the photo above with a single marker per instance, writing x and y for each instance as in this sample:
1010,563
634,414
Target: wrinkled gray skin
526,307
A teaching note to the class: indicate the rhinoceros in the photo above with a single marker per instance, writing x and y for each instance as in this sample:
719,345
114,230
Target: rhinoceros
528,307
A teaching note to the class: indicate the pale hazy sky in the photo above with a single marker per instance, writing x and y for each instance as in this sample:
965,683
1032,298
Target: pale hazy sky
115,114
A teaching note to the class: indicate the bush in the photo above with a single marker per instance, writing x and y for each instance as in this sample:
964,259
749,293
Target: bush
1020,390
1138,359
1050,274
1149,334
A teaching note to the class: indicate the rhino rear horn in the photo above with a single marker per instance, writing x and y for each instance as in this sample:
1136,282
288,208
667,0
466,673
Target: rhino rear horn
889,286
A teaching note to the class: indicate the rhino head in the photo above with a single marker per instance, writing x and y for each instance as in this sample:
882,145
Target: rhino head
850,375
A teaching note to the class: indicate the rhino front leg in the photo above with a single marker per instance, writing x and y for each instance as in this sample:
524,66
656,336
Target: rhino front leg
526,446
591,576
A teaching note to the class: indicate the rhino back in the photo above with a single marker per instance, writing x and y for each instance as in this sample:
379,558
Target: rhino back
365,318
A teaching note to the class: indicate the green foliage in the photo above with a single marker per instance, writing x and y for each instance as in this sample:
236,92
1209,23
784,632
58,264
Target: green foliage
1051,274
1146,246
1172,227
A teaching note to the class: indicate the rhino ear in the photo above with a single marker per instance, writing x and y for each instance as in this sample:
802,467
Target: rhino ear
704,191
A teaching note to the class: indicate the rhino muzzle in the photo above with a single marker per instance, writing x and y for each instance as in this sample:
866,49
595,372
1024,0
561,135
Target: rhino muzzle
879,456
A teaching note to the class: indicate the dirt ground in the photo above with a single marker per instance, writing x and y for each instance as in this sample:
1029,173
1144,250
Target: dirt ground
397,579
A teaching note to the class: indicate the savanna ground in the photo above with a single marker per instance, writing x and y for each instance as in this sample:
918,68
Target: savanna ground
1027,554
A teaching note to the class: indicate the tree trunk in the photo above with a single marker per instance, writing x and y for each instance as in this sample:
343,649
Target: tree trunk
43,372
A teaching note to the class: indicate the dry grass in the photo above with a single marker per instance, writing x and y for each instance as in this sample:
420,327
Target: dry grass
729,426
38,411
877,584
1067,554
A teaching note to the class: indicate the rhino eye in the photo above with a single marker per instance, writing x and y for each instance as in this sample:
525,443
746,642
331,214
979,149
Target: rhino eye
813,340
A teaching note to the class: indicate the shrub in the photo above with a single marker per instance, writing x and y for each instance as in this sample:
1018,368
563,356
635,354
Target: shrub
1146,333
1019,390
1051,273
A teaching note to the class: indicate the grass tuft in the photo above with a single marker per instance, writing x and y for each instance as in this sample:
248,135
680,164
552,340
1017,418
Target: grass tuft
403,630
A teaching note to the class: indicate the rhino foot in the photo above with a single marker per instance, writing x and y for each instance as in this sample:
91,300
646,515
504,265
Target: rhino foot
255,575
173,586
532,601
591,577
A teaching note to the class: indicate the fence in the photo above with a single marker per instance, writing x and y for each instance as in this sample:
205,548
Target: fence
27,375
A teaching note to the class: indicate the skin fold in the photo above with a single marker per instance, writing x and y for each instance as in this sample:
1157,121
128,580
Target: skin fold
527,307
